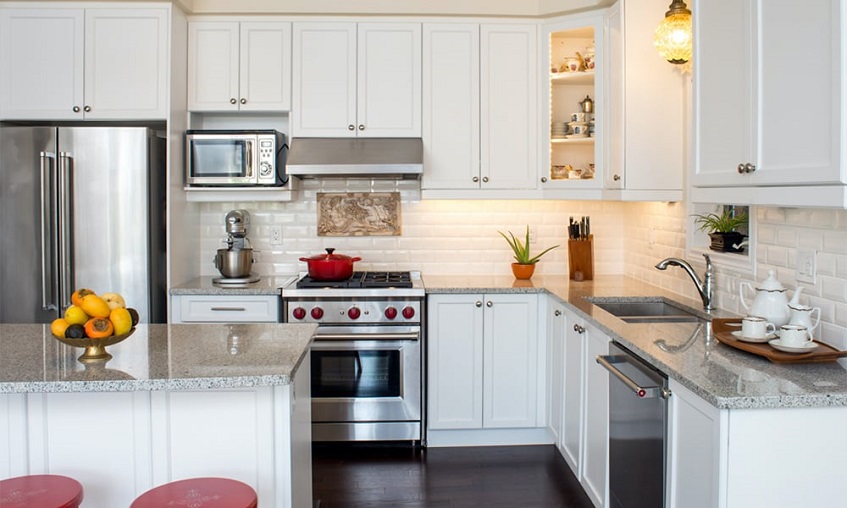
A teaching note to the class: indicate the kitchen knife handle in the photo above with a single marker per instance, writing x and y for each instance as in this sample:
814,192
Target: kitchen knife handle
47,161
66,280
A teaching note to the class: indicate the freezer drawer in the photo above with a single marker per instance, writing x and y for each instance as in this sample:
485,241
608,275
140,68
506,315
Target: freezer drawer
225,309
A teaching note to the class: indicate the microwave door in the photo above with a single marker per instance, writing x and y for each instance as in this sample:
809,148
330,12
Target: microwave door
221,160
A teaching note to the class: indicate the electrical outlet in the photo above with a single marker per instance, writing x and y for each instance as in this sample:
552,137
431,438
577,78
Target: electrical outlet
276,235
807,265
533,236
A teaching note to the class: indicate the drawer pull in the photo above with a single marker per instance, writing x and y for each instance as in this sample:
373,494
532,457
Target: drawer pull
228,309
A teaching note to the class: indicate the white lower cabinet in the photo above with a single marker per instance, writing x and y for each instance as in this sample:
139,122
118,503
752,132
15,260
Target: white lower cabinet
556,335
584,439
225,309
482,367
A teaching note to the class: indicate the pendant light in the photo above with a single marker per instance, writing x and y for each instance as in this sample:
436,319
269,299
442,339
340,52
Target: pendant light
673,35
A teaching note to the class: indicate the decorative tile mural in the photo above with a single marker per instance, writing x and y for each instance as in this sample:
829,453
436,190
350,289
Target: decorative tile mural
358,214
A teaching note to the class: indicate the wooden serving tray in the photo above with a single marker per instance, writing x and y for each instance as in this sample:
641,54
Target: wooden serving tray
723,332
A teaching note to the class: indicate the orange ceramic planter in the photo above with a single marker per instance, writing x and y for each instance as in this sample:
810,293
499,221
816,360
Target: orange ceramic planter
522,271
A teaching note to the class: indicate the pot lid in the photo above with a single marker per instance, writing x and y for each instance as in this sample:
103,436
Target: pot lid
331,256
771,284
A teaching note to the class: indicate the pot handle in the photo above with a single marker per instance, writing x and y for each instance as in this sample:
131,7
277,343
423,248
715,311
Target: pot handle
353,260
304,259
741,294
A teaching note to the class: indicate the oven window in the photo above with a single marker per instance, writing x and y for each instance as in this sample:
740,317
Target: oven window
218,157
371,373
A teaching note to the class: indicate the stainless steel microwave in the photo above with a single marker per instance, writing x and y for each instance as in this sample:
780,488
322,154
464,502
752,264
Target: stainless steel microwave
235,158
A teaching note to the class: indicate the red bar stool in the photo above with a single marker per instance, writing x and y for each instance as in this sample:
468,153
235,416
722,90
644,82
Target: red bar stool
40,491
205,492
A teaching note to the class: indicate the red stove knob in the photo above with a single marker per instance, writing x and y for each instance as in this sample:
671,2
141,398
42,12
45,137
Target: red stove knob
408,312
390,312
299,313
317,313
353,313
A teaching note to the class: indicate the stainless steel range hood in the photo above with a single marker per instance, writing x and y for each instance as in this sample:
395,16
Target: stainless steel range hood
355,157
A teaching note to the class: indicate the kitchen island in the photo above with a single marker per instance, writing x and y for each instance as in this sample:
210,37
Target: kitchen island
175,401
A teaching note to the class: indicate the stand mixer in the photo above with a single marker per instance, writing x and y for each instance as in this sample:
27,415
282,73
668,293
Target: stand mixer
235,261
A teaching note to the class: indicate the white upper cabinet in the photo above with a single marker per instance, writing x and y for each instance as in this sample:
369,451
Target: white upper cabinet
239,66
91,64
768,108
356,80
645,157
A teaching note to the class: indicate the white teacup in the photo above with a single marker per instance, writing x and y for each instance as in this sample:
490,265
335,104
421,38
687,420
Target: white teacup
794,335
577,117
756,327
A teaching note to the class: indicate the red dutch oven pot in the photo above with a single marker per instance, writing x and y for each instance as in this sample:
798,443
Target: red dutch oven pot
330,267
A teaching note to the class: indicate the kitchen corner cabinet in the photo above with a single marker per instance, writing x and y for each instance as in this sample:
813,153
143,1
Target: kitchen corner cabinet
356,79
103,63
482,361
225,309
644,153
585,430
565,91
778,121
480,109
239,66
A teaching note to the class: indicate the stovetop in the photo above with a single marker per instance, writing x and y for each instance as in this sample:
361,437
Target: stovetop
362,280
364,284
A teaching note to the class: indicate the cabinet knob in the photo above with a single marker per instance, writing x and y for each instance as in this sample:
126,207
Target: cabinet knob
543,179
749,168
351,127
478,304
232,100
489,303
741,169
485,179
475,179
616,178
361,127
76,109
86,109
578,329
557,313
243,100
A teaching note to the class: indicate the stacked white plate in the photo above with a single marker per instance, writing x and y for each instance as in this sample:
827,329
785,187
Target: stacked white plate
558,129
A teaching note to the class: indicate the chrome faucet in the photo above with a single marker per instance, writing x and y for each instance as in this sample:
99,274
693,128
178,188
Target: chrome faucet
705,287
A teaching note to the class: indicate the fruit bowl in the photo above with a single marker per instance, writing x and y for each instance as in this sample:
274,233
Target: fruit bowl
95,349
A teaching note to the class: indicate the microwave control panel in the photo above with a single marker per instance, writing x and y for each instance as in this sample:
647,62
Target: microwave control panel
267,159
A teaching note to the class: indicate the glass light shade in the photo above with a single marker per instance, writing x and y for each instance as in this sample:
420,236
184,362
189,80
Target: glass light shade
673,38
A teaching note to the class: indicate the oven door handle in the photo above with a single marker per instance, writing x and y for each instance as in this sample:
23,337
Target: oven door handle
411,336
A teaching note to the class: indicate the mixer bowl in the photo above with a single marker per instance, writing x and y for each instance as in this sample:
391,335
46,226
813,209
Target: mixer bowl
234,263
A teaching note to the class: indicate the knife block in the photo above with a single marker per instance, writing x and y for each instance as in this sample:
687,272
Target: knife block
581,258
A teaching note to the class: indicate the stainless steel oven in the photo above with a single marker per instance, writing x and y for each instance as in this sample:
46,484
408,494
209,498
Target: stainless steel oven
367,356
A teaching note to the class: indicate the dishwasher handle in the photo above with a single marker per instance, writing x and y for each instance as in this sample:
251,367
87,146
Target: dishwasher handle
644,392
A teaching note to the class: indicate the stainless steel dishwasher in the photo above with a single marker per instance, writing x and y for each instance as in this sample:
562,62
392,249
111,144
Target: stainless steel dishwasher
638,410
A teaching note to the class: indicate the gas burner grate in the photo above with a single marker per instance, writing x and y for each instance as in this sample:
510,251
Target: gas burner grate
361,280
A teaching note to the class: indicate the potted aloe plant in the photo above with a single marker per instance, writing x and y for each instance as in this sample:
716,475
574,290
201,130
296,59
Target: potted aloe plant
524,266
722,229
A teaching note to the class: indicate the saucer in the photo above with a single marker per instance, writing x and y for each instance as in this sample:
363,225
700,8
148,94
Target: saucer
742,338
805,348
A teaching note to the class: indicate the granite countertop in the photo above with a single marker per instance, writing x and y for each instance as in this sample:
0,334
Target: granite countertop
686,352
266,285
155,357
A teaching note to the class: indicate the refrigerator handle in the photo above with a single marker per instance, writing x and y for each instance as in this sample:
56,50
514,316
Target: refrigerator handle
47,161
66,279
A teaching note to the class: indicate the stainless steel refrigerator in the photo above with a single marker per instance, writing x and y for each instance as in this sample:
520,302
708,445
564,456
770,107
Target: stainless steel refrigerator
81,207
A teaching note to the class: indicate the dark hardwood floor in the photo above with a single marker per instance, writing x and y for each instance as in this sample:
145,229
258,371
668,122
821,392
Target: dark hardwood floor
351,476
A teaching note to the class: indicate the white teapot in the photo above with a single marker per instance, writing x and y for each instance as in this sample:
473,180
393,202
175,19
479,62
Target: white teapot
771,301
802,314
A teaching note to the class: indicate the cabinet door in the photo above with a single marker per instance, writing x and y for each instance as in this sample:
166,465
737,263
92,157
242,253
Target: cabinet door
41,64
451,106
324,87
213,58
555,367
510,360
389,80
508,77
724,91
594,478
126,64
265,66
454,352
573,422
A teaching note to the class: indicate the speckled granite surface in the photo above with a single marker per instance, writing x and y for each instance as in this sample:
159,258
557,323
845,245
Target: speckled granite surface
156,357
687,352
266,285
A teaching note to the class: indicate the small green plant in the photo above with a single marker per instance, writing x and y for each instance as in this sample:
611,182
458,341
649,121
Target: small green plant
726,222
522,255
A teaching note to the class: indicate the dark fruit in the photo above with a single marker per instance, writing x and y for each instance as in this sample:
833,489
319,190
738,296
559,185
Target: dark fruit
134,315
75,332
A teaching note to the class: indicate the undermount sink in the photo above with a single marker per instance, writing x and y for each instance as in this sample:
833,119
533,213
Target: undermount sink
646,310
